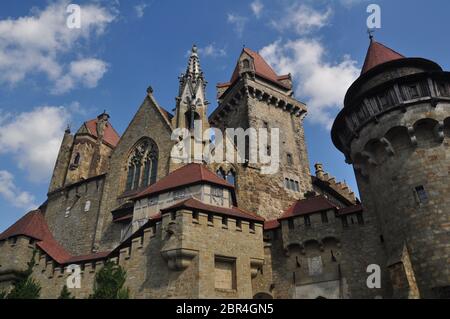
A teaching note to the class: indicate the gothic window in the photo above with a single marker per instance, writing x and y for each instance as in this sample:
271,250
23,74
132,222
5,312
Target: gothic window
221,173
231,178
191,117
142,165
76,160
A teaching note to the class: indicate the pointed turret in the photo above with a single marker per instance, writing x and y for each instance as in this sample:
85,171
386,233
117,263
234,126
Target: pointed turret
377,54
191,99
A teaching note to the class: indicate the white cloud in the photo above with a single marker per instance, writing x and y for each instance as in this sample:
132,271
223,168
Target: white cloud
257,8
212,50
302,19
140,9
85,72
12,194
38,43
322,83
33,138
238,22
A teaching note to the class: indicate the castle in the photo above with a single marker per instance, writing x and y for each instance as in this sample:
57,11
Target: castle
225,230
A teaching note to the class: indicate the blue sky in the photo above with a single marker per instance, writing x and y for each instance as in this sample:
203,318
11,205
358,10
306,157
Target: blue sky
51,76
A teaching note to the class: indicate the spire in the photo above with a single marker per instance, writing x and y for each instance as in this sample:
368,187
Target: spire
378,54
191,99
193,69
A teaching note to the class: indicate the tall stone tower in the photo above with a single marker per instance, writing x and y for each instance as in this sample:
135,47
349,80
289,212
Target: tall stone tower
395,131
191,104
256,97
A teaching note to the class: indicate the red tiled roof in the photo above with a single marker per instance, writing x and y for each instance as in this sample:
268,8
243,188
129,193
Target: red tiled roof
187,175
271,224
308,206
350,210
262,69
110,135
378,54
193,203
33,225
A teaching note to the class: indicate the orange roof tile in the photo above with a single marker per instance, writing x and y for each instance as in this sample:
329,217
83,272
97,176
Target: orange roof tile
308,206
110,135
262,69
187,175
33,225
377,54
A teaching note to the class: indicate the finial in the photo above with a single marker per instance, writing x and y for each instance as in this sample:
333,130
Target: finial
370,32
194,49
67,131
149,90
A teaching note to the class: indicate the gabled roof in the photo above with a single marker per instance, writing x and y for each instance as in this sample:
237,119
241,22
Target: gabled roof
33,225
192,203
377,54
187,175
110,135
262,69
308,206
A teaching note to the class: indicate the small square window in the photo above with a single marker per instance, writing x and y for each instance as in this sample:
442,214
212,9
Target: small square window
173,215
422,195
210,218
252,226
195,216
238,224
224,221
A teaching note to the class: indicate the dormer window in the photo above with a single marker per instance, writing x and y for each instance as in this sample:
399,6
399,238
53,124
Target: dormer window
246,64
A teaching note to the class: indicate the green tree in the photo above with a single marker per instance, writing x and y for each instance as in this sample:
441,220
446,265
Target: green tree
65,293
25,287
109,283
3,294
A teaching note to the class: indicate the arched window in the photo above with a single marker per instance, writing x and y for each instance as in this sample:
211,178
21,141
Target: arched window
246,64
231,178
221,173
76,160
142,165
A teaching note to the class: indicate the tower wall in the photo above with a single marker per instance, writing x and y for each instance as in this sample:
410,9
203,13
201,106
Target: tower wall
253,104
62,162
396,135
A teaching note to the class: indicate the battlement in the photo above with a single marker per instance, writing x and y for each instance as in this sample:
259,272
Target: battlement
339,187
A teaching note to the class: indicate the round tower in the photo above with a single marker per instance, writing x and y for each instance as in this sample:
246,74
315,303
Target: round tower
395,131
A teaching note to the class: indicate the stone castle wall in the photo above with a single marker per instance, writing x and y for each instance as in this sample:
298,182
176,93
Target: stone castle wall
414,154
72,214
